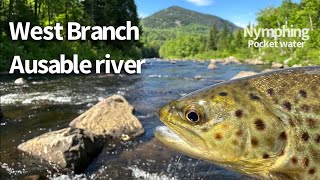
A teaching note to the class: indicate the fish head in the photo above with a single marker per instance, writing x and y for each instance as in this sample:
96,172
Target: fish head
213,124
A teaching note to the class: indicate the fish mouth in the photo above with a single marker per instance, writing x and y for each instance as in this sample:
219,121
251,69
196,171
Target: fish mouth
165,133
172,140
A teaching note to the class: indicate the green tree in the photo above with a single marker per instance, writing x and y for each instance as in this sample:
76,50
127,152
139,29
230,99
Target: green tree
212,38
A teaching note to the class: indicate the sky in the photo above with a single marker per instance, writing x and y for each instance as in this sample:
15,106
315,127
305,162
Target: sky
240,12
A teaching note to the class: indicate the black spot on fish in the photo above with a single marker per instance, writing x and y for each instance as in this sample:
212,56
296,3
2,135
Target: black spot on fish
254,141
270,91
218,136
305,162
287,105
283,136
254,97
312,171
305,136
260,124
239,133
317,139
311,123
223,94
265,156
294,160
239,113
303,93
291,122
305,108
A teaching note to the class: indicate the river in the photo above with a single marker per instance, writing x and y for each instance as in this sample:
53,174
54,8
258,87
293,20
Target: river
49,103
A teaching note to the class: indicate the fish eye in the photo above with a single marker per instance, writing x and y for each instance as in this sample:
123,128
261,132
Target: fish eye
193,115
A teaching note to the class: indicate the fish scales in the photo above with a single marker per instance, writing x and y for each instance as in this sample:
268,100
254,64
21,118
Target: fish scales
266,126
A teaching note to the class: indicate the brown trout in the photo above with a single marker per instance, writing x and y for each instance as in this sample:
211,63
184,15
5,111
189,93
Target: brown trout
266,126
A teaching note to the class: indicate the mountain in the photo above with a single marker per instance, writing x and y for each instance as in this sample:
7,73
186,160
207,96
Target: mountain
175,17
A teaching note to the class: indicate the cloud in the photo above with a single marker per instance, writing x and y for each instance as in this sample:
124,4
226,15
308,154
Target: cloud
201,2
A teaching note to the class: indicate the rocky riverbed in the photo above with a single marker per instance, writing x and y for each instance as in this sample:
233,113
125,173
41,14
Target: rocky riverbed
43,104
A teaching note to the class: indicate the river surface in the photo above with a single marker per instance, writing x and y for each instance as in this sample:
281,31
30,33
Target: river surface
49,103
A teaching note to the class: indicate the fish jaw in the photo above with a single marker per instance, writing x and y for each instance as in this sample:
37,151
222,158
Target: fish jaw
172,140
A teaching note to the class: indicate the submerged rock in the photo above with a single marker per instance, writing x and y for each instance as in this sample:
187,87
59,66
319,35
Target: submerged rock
110,117
242,74
20,81
70,148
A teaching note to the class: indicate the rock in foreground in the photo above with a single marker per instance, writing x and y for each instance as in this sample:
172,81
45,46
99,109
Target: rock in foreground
242,74
110,117
69,148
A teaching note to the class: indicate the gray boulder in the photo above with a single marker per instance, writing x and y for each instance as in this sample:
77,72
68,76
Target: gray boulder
110,117
69,148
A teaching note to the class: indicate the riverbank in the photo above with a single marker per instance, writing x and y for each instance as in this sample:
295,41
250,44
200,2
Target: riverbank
254,61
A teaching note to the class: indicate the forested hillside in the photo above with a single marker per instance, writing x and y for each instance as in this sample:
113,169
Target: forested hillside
176,22
179,17
49,12
220,42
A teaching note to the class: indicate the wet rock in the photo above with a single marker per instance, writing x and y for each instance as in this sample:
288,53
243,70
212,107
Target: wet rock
276,65
213,61
173,62
110,117
70,148
198,77
254,61
212,66
242,74
20,81
230,60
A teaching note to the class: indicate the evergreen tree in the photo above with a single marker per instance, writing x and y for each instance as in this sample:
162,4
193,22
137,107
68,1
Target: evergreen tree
213,38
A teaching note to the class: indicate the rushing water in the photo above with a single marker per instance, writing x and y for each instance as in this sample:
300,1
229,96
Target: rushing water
50,102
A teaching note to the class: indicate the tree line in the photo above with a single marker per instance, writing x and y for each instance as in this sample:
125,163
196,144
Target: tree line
49,12
223,43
